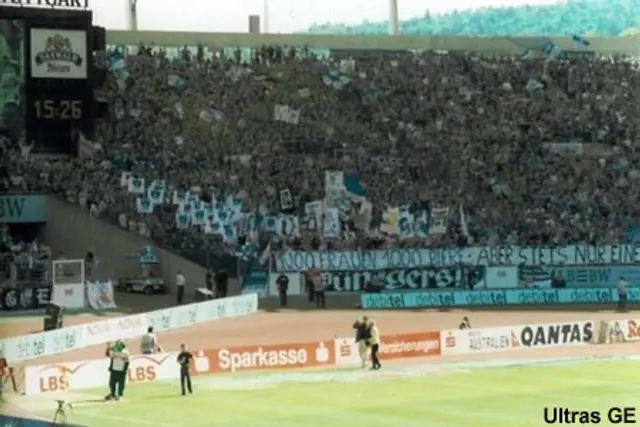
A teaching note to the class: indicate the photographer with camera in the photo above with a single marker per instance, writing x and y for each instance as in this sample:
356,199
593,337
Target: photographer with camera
60,416
465,324
118,367
184,360
362,336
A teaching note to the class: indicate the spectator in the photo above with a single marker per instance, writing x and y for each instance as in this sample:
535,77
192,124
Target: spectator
180,283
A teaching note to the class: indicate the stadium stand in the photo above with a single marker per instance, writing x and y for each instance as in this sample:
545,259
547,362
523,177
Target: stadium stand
531,150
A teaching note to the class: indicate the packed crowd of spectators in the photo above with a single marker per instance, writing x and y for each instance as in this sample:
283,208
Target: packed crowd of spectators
23,260
535,151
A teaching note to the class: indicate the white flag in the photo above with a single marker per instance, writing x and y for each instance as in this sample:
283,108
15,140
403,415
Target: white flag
286,114
464,226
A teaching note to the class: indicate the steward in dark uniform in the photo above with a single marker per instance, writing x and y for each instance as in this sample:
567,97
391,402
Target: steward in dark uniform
283,287
221,279
184,360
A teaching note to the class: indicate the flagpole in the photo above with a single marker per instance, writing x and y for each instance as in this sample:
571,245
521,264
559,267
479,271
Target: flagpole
393,17
265,17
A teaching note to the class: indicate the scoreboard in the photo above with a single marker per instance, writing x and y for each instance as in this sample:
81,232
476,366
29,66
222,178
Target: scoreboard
46,92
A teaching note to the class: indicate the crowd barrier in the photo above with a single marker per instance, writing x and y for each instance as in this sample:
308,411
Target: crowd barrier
339,352
27,347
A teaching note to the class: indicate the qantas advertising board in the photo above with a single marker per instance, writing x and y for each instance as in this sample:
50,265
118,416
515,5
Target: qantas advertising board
486,340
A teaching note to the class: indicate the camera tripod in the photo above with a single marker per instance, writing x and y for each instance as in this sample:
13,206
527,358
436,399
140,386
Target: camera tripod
60,416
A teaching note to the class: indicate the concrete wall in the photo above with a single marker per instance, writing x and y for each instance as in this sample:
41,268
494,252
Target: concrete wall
74,232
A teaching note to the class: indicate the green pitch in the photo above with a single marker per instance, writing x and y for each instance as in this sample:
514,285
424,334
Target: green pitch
456,395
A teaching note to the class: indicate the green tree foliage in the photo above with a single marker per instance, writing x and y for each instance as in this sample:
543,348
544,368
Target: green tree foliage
588,18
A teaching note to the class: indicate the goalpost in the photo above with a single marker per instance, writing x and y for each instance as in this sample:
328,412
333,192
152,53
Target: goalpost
68,277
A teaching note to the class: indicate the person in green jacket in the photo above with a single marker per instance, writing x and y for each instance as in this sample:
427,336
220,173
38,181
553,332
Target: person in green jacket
118,367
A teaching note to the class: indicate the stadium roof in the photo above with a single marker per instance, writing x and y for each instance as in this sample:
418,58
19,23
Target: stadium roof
496,45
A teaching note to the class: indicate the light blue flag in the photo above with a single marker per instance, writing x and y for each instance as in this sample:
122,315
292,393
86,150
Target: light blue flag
353,185
144,205
421,224
186,208
182,220
331,225
117,65
336,79
248,252
147,256
548,47
533,85
179,197
270,225
213,226
177,83
581,40
136,185
208,208
229,233
405,222
289,226
223,216
634,235
156,195
158,183
198,217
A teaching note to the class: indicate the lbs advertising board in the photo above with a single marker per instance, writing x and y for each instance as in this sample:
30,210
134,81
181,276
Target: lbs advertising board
51,94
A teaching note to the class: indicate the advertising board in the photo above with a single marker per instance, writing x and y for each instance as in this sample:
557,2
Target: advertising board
58,53
25,298
483,340
341,351
606,276
71,296
150,368
495,297
622,330
23,208
557,334
398,346
95,373
487,340
32,346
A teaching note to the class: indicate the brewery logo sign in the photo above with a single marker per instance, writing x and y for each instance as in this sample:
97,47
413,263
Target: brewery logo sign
58,54
403,279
